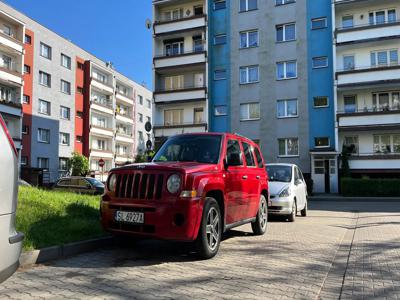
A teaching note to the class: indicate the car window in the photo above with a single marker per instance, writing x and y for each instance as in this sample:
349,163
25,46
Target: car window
296,174
74,182
63,182
233,153
279,173
301,175
82,183
248,154
259,158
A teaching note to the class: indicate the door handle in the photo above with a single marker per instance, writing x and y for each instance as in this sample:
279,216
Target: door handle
244,176
258,176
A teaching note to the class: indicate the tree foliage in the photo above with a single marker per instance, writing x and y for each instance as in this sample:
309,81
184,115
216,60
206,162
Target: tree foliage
78,164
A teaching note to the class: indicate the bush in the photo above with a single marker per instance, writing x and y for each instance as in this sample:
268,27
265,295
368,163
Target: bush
370,187
79,164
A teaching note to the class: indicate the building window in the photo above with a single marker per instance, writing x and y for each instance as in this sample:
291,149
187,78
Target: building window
249,111
140,117
220,110
319,23
347,22
43,162
27,69
65,61
79,89
28,39
282,2
99,145
173,117
45,50
64,113
174,48
350,104
351,142
249,39
63,164
220,74
386,143
382,17
287,108
44,107
148,102
384,58
24,161
386,101
219,4
5,93
171,83
43,135
321,142
140,99
348,62
25,129
321,101
220,39
79,65
7,30
249,74
286,32
44,79
26,99
288,147
79,114
79,139
286,70
64,138
320,62
65,87
246,5
198,115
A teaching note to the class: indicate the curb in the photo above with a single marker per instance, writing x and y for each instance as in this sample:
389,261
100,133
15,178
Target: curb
30,258
353,199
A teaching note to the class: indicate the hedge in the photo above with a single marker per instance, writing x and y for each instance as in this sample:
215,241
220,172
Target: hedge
370,187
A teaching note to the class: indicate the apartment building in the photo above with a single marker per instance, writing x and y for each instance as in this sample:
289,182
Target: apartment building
70,99
180,67
367,84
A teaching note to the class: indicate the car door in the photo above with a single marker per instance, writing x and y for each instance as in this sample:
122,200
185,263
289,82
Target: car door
303,187
251,183
234,181
299,189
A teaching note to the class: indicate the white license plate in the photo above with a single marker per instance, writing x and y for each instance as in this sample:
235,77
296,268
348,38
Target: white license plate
129,217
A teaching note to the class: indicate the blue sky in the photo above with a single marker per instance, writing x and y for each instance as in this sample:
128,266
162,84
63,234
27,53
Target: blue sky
111,30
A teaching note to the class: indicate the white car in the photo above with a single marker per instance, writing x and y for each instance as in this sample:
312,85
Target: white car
288,190
10,239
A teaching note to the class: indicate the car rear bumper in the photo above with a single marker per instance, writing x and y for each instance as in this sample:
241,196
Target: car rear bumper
172,221
281,206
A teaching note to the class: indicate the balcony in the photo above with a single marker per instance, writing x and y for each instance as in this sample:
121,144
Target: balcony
101,153
10,75
102,131
127,99
186,94
184,58
169,130
183,24
366,76
102,105
374,161
11,107
103,86
11,42
367,33
125,118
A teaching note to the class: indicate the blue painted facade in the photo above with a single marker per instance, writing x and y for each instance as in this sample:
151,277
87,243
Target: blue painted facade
218,59
320,81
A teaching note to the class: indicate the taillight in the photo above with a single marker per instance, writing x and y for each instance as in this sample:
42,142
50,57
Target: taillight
10,140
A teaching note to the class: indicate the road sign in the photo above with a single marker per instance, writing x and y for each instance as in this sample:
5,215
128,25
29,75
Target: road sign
101,162
147,126
149,144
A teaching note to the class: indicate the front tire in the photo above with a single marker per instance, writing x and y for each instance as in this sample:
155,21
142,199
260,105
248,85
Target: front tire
292,216
210,232
304,210
259,226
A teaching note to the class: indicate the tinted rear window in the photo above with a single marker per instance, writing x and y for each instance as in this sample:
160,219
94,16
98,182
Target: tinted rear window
259,158
248,154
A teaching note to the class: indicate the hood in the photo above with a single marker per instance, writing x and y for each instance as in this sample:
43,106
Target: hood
187,167
275,187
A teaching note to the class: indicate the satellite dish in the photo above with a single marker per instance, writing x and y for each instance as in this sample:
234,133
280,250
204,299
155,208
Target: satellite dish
148,23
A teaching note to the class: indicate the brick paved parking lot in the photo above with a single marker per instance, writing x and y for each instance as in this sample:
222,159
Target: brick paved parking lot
341,250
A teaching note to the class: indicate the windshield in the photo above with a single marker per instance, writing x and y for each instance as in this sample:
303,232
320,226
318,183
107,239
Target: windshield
192,148
279,173
95,182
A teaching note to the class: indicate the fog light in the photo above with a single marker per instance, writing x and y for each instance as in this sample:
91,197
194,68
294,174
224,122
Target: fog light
179,219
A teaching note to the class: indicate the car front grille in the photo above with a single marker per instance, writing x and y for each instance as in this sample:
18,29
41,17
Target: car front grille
139,185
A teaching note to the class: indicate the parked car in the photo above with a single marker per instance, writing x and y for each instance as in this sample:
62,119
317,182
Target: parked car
196,187
82,185
288,190
10,239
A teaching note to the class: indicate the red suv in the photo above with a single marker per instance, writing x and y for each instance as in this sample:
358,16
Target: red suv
197,186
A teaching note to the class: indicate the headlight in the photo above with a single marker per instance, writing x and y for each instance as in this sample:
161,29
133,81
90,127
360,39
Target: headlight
173,183
285,192
112,182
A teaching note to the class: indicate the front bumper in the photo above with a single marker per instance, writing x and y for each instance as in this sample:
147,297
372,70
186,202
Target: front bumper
178,220
281,205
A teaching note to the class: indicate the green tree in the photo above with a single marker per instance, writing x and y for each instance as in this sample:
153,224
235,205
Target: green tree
78,164
346,153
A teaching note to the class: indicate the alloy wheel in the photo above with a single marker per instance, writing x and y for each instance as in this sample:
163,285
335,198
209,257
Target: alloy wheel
212,228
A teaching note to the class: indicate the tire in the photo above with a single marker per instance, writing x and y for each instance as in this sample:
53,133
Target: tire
259,226
210,232
304,210
292,216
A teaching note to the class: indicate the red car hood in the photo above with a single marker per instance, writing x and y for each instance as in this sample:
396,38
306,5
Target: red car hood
187,167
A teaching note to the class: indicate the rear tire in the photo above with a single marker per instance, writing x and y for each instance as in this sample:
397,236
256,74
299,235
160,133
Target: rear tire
259,226
210,232
304,210
292,216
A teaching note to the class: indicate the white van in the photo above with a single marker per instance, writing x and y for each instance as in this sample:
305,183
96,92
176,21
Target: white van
10,239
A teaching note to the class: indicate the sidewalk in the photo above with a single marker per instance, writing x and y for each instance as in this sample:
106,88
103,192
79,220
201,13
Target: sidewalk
340,198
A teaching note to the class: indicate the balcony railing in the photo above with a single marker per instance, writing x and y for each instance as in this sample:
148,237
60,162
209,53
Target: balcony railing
102,102
106,83
352,69
11,38
371,109
179,89
376,155
125,114
197,50
164,20
10,103
180,125
367,25
124,94
123,132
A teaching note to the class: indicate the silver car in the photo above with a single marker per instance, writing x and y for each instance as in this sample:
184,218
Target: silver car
288,190
10,239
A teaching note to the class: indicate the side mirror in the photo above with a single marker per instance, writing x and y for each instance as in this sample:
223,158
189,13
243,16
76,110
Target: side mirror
298,181
225,164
